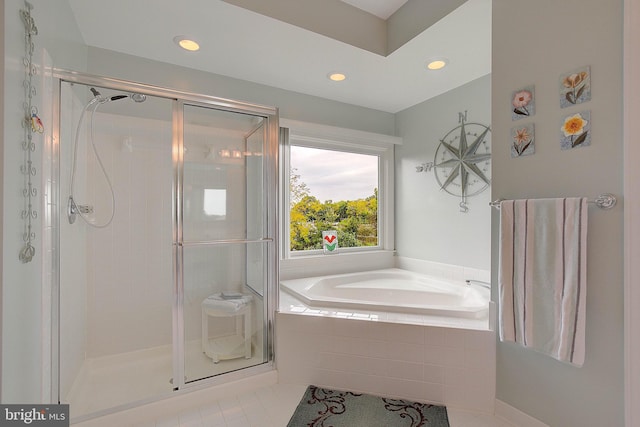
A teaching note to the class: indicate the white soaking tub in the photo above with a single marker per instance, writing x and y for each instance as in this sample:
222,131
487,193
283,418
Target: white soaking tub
392,290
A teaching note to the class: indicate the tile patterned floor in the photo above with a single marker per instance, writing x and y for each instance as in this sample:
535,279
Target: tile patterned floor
270,406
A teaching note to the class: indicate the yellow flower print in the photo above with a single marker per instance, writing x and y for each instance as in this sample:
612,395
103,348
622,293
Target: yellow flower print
574,125
575,129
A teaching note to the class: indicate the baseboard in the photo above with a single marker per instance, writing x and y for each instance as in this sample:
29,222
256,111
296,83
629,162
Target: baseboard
515,416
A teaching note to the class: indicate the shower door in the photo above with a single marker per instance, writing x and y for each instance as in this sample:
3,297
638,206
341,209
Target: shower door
225,243
115,253
166,271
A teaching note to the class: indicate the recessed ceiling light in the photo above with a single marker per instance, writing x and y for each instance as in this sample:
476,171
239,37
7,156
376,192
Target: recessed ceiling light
186,43
337,77
437,63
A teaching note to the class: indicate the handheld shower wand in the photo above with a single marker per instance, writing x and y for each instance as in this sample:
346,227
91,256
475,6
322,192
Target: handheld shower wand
74,208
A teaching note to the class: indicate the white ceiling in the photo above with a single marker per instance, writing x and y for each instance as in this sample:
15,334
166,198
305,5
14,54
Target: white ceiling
245,45
381,8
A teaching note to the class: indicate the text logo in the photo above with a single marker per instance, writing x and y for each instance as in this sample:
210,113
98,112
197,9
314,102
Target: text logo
34,415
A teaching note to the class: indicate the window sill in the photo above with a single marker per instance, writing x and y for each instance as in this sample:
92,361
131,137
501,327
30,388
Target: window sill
343,262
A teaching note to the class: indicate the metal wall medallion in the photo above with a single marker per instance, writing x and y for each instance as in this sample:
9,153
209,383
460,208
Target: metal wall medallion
463,160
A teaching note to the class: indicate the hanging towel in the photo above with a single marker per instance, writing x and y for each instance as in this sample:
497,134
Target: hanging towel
543,276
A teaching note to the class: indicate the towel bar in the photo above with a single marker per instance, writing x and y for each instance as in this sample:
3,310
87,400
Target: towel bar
603,201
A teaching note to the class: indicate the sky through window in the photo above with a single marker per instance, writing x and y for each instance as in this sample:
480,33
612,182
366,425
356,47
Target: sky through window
335,175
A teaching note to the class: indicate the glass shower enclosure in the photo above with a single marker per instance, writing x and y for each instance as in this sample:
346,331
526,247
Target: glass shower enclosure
164,254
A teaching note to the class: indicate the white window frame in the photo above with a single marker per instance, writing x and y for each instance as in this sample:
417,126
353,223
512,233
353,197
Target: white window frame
346,140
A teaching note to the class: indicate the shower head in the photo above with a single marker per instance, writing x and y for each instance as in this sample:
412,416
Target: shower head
138,97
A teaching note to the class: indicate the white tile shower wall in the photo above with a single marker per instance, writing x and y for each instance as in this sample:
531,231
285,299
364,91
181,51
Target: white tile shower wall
455,367
130,288
129,262
208,270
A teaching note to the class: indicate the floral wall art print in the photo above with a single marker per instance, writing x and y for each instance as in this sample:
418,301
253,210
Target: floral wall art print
576,131
523,103
522,140
575,87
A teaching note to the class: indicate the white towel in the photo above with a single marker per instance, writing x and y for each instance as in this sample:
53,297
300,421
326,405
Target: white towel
543,276
217,302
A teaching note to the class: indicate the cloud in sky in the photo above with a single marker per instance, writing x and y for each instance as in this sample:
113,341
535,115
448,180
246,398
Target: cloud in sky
335,175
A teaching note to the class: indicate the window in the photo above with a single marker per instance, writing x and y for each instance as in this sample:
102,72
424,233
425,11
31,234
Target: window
332,190
336,180
215,202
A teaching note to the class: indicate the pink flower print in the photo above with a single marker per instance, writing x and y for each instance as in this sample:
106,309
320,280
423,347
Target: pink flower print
520,101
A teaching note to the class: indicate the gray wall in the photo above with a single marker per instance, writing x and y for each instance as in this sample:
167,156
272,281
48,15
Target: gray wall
429,224
332,18
534,43
292,105
414,17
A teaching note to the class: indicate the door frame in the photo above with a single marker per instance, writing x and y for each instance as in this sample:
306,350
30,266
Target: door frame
52,286
631,128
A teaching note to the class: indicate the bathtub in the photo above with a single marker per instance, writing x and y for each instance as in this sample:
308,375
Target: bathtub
392,290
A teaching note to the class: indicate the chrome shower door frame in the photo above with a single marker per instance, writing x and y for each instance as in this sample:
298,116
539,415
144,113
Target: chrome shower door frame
179,100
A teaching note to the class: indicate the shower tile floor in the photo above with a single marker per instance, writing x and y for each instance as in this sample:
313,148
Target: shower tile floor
269,406
112,381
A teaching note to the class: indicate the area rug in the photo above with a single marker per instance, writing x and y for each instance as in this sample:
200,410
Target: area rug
321,407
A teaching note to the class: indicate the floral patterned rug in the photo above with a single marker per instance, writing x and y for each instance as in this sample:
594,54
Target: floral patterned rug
321,407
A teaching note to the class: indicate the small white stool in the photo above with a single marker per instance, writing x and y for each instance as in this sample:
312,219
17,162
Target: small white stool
229,347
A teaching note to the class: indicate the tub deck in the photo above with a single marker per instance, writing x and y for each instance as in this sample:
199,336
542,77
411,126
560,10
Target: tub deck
390,295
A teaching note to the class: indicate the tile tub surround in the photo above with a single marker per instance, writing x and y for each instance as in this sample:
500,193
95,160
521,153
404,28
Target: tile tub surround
442,365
